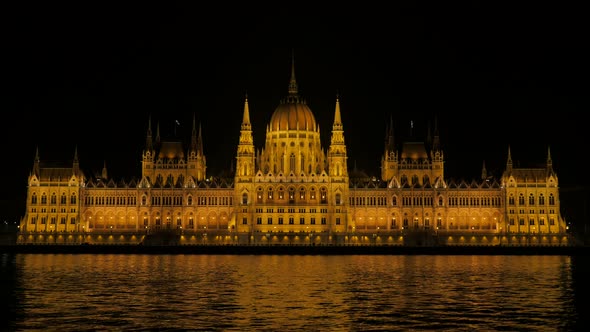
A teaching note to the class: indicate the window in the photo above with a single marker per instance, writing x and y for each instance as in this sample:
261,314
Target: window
531,200
259,220
244,198
323,220
531,222
338,199
511,222
521,221
521,199
269,220
337,220
312,221
63,199
302,221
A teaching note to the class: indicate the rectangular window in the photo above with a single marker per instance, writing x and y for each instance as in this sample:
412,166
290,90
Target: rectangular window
269,220
301,221
511,222
337,220
280,220
291,220
259,220
244,221
323,220
312,221
521,222
531,221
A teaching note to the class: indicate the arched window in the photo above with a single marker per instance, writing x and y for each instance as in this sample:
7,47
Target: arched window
551,199
531,199
143,200
63,199
73,199
521,199
338,198
394,200
541,199
53,199
511,200
189,200
259,195
302,193
323,196
244,198
43,199
440,201
34,198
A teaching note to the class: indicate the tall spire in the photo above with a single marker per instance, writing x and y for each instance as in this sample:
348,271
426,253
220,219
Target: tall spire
148,139
293,83
104,171
509,161
194,136
76,164
549,160
200,142
246,117
158,133
436,141
37,162
337,118
484,172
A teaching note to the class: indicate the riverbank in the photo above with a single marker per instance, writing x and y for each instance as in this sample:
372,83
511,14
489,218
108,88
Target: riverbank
296,250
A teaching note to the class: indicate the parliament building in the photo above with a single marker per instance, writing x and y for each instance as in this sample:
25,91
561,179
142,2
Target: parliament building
292,191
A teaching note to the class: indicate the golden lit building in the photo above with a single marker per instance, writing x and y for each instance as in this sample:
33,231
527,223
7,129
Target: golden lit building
293,191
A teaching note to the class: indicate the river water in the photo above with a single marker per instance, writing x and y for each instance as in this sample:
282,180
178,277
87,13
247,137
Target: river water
110,292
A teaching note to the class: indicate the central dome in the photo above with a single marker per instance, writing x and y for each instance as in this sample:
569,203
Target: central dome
292,115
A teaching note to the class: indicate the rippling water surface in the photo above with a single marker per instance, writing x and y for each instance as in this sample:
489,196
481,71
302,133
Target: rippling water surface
289,293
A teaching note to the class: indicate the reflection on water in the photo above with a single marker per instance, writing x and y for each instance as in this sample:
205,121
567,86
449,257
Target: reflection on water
289,293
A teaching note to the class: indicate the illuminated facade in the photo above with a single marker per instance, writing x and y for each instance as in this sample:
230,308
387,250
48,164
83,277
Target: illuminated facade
293,192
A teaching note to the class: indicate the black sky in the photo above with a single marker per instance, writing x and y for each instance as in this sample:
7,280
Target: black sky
90,77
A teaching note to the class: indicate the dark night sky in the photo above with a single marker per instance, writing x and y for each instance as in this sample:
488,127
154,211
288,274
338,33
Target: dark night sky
91,76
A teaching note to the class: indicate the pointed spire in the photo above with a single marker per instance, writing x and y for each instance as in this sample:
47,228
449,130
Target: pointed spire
158,133
104,171
509,161
390,138
246,117
549,160
194,141
37,162
293,83
76,164
436,142
148,138
484,172
337,117
200,141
